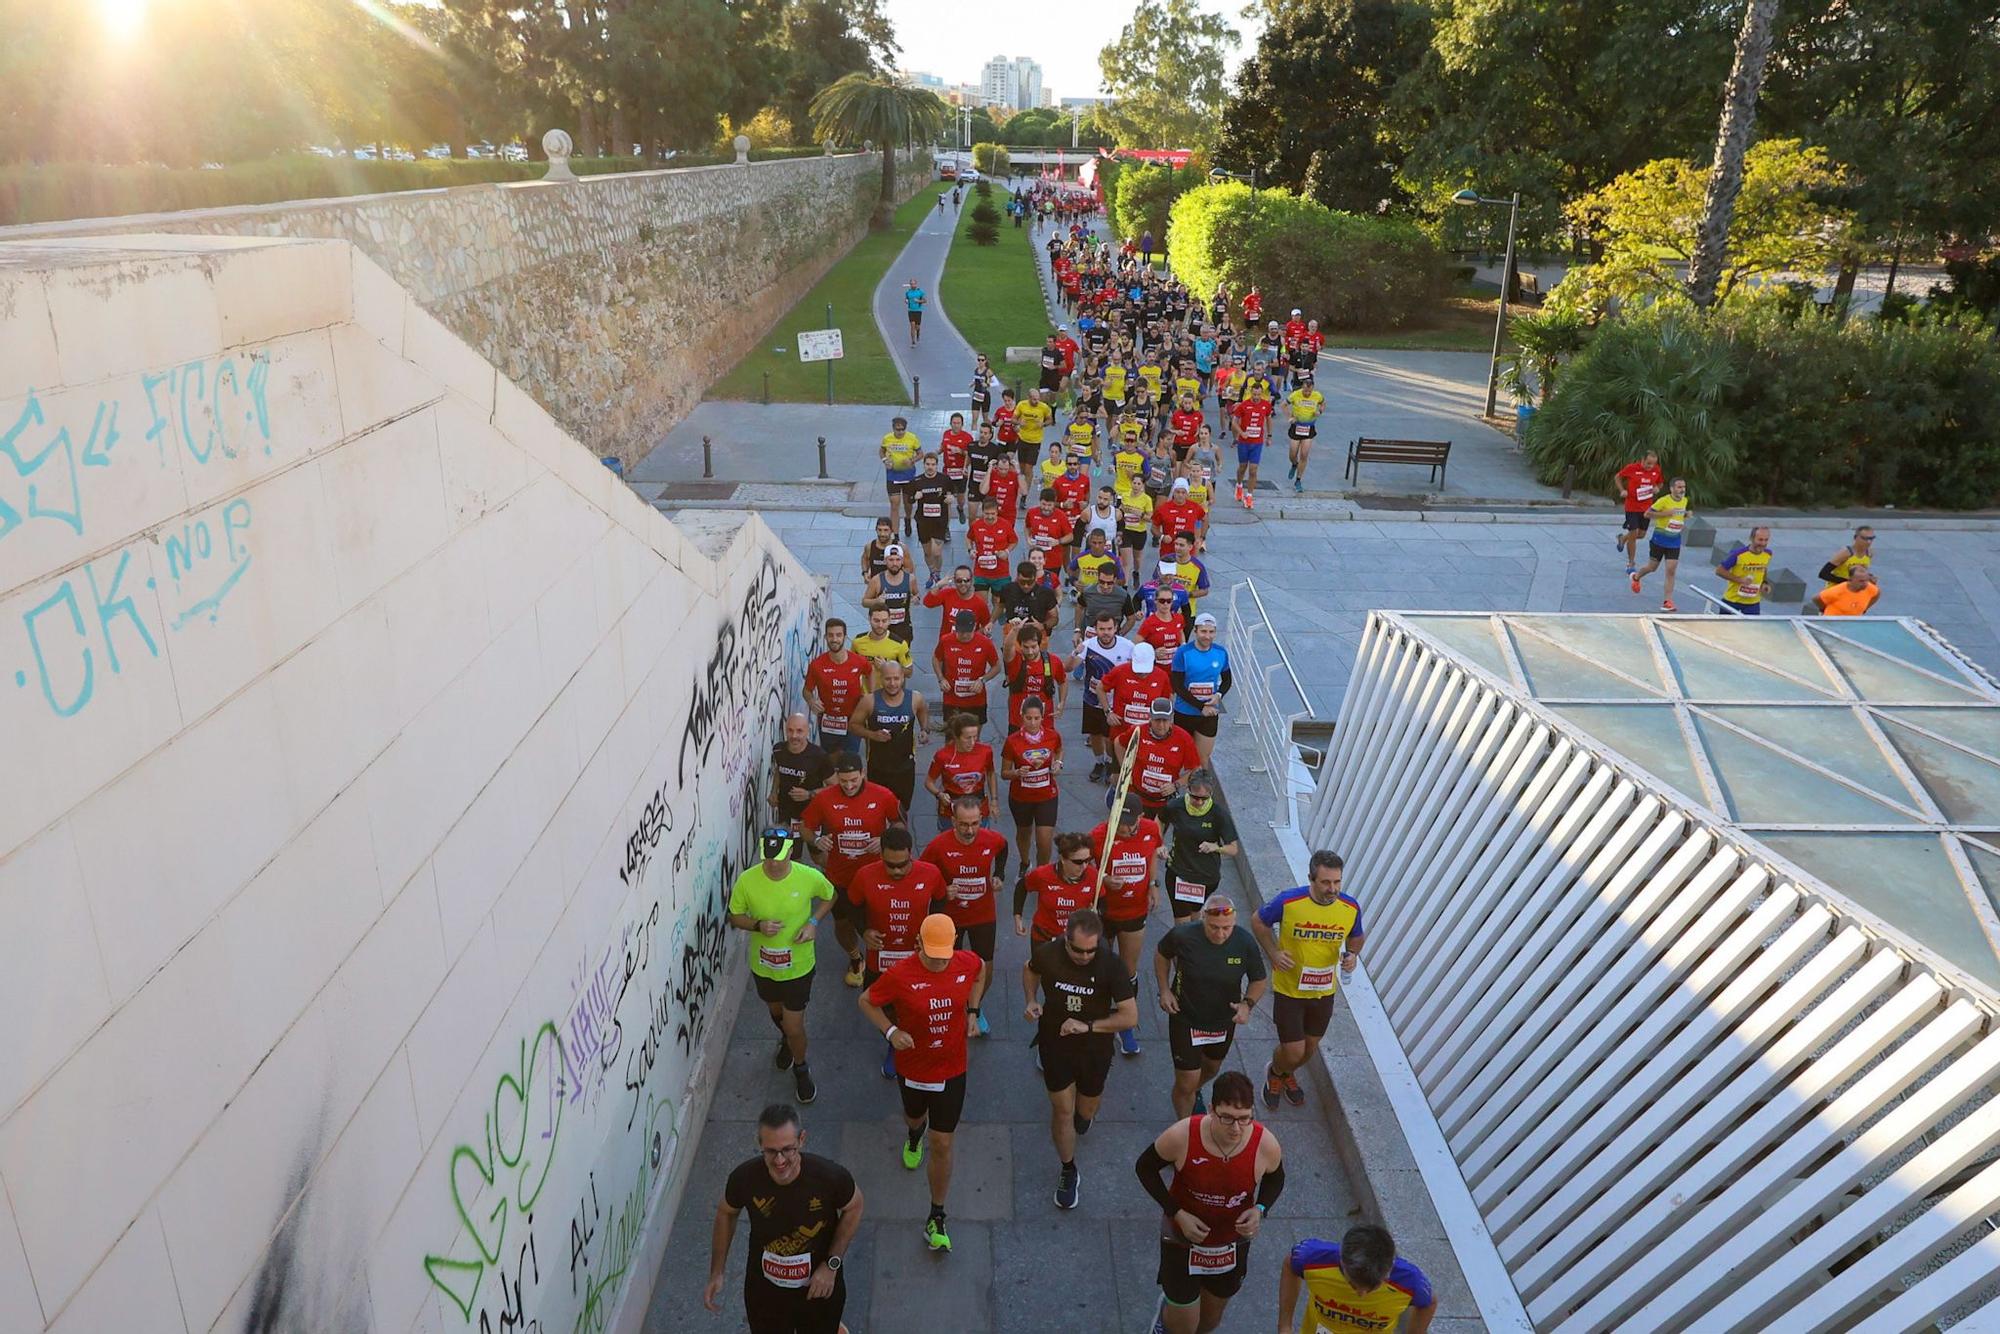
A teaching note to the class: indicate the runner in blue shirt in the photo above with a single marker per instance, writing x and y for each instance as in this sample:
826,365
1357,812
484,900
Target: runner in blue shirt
1201,678
914,298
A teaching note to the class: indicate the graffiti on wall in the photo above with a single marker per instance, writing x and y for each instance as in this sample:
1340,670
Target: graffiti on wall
607,1080
52,460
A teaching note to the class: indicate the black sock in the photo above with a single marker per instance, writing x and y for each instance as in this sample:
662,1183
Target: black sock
937,1212
916,1136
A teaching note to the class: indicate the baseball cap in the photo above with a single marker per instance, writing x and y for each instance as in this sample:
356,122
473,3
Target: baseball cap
1297,311
1142,658
894,549
1129,813
1205,619
1181,484
939,935
1162,708
964,620
847,763
776,844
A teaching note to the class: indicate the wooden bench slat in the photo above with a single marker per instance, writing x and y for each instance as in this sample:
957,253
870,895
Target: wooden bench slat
1433,454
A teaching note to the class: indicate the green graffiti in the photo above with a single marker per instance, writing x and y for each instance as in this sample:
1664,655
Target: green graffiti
628,1221
512,1142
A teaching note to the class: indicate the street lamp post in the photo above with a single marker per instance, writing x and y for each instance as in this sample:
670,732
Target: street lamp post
1513,207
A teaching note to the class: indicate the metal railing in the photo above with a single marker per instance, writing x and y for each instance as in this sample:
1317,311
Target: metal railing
1285,763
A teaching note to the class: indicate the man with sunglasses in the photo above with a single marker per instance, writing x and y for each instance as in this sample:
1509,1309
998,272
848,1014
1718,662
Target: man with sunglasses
1061,888
1227,1172
1209,976
804,1211
1085,997
1203,833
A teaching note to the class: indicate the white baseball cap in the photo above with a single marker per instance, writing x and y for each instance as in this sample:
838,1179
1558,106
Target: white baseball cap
1182,484
1142,658
1204,619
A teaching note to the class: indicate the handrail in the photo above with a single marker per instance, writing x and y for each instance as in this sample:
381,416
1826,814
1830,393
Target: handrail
1279,644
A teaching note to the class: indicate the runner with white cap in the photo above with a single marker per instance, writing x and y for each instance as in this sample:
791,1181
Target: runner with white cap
1201,678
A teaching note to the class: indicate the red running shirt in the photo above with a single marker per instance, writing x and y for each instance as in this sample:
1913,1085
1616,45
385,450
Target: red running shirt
1252,415
952,602
1642,486
1026,679
1056,898
1131,694
894,907
1005,488
968,870
1216,1189
955,446
1034,762
854,822
963,680
990,543
1161,762
1128,880
930,1007
838,686
962,774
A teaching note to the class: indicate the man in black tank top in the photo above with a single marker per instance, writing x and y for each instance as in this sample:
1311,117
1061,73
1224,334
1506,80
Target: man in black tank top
875,553
889,719
894,590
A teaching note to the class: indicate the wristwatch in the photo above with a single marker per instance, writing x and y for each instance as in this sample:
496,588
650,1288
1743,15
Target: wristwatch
833,1262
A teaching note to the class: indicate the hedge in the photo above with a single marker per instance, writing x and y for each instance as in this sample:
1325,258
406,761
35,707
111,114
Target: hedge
1142,197
1759,405
1345,270
59,191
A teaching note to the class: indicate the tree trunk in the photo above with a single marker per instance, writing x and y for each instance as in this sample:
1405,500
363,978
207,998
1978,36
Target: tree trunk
586,128
1843,286
621,142
885,205
1732,140
1895,263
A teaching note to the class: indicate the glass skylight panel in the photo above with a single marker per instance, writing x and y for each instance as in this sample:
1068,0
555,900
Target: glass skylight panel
1615,641
1763,787
1471,636
1986,865
1556,673
1647,734
1708,673
1965,787
1977,728
1883,680
1832,737
1773,642
1891,637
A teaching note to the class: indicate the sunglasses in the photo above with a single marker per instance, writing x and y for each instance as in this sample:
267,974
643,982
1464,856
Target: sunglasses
1218,912
1077,861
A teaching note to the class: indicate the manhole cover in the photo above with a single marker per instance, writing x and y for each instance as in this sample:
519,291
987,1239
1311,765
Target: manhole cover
699,491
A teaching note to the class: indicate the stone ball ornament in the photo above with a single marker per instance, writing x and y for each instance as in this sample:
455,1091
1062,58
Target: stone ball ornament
559,146
742,149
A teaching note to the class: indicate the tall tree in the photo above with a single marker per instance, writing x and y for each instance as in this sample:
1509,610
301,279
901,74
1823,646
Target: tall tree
1732,141
861,107
1167,76
825,39
1328,145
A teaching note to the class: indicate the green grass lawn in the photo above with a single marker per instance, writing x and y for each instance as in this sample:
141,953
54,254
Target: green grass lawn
993,294
865,373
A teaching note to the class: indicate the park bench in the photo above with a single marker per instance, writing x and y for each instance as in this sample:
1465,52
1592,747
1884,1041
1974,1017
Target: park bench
1430,454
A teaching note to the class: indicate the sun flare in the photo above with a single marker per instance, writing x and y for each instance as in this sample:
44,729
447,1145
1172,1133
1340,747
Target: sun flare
121,18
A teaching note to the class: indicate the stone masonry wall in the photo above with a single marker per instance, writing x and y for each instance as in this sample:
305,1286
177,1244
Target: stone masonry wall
614,301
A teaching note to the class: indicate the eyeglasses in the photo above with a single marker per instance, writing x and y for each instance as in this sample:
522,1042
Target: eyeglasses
1082,953
781,1153
1248,1118
1077,861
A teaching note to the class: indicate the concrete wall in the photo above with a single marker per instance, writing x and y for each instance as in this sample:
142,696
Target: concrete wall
614,301
372,770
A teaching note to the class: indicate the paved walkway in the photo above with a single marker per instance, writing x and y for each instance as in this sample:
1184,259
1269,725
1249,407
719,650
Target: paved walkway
941,359
1009,1238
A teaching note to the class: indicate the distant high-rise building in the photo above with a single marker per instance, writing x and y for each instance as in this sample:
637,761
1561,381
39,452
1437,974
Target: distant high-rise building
917,78
1027,83
1015,84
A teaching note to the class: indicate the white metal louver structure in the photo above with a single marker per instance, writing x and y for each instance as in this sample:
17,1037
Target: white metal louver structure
1687,930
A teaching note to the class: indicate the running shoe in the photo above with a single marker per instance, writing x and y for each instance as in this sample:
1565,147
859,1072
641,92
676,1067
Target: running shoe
803,1085
1239,493
1618,542
1299,487
889,1063
853,978
783,1060
1249,501
1291,471
1668,606
1274,1088
1635,580
913,1154
1200,1104
980,1024
1128,1041
935,1236
1067,1182
1295,1095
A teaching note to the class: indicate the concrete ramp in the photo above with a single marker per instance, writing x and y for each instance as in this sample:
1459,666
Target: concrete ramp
372,768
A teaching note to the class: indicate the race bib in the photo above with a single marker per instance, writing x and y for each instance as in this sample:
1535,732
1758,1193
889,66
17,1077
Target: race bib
933,510
969,889
922,1087
1208,1260
1316,980
1676,522
1201,690
1201,1037
1187,891
1034,778
967,688
887,959
833,724
774,958
853,842
1156,780
788,1271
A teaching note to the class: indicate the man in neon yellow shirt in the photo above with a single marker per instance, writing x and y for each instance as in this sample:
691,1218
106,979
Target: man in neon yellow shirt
1745,569
1306,403
1031,420
780,903
1670,513
1358,1282
1310,935
900,448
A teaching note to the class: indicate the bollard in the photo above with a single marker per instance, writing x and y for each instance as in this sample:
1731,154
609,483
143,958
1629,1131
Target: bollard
707,458
1569,480
822,458
916,391
767,387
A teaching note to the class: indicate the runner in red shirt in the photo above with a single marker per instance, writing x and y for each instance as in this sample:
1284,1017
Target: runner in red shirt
957,596
1128,886
1060,888
835,682
964,662
1003,486
1004,429
955,446
1178,515
893,893
1185,425
1295,328
1167,755
1049,532
962,767
1227,1170
973,861
1251,420
921,1006
1130,689
1069,349
1641,483
1253,307
846,822
1073,490
1033,673
989,540
1030,759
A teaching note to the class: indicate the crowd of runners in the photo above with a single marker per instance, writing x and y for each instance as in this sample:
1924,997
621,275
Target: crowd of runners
1062,534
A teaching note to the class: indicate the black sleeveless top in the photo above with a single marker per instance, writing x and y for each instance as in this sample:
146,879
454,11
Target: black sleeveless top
899,752
897,596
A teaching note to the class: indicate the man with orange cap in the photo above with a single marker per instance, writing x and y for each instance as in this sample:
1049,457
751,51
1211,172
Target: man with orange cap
920,1006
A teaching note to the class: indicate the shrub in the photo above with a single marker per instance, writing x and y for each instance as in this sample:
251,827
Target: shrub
1349,272
990,159
1756,406
983,233
983,188
984,211
1145,196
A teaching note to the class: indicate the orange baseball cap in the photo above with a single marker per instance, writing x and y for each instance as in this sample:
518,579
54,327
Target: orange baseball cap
939,935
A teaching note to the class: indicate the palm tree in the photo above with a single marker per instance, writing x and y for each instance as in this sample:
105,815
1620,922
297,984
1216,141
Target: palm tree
858,107
1732,140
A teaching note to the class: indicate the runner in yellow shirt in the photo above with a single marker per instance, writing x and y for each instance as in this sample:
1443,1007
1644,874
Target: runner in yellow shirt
1031,421
1310,935
900,448
1746,568
879,646
1305,404
1670,513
